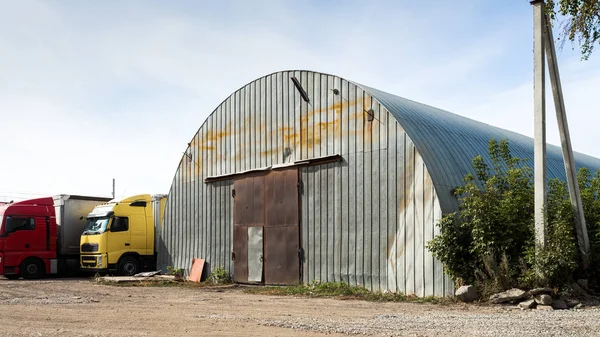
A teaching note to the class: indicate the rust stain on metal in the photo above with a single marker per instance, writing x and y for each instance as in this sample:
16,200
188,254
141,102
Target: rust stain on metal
317,127
282,240
290,137
337,107
268,153
240,253
211,137
204,147
270,201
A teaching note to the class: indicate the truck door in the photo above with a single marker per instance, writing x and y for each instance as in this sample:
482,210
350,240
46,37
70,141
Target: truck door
138,224
119,239
23,234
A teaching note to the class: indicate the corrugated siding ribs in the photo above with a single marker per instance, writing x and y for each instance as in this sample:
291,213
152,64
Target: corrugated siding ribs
365,220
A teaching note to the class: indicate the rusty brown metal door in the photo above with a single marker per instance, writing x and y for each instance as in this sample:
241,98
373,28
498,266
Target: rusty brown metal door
282,234
248,223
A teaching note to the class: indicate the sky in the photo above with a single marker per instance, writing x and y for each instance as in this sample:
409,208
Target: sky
96,90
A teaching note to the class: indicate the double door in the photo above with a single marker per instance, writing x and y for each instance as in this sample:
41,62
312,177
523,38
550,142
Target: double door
266,237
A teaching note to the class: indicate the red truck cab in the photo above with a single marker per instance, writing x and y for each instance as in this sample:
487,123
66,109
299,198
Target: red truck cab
27,238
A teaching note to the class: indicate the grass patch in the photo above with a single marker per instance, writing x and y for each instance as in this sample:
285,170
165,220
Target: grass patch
343,290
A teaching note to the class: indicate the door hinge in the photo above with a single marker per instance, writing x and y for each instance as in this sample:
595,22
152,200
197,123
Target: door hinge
233,255
233,193
300,187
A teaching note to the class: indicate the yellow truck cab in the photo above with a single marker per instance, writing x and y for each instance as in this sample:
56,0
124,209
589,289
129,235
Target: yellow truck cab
121,235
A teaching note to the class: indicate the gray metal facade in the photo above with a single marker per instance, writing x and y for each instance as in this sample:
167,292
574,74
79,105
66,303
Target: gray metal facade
448,143
365,220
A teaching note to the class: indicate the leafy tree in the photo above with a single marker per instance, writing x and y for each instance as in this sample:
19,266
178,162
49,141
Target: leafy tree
495,218
558,260
589,186
581,23
490,241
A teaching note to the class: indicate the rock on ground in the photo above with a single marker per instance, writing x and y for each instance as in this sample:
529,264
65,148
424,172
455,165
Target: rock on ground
572,303
543,299
544,307
559,304
538,291
467,293
508,296
527,304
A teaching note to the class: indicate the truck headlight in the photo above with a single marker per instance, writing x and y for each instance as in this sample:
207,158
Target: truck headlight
99,262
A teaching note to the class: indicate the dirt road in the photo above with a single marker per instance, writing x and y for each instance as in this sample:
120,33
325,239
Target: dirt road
76,307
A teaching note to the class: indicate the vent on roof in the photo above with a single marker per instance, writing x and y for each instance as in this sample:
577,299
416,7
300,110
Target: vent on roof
300,89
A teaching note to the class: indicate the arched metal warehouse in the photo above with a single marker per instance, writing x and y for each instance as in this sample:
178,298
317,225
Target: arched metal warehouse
302,176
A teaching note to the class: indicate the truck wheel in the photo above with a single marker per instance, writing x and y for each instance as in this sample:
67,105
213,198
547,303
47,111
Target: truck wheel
129,266
12,277
32,269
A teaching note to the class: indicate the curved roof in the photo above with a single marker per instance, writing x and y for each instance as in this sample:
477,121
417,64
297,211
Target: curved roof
448,142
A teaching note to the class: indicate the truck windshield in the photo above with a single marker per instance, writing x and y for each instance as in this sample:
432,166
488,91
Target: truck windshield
96,226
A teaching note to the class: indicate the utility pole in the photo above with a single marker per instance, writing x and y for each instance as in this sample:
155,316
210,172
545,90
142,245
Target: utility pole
539,103
544,42
567,150
113,192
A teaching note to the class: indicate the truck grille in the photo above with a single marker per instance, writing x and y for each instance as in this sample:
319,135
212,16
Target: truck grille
88,261
89,247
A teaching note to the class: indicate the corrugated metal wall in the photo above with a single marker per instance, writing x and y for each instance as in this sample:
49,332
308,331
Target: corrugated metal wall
365,220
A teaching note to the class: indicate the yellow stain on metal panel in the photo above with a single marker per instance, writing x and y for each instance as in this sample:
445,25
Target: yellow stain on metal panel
204,147
313,132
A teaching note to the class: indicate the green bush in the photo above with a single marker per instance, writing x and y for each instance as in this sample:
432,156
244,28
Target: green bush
589,187
554,265
219,276
174,271
490,241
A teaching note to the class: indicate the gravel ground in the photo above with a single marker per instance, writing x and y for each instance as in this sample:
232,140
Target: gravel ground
77,307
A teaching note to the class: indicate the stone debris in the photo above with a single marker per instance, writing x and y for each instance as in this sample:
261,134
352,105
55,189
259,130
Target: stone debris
467,293
543,299
529,304
538,291
559,304
571,303
508,296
